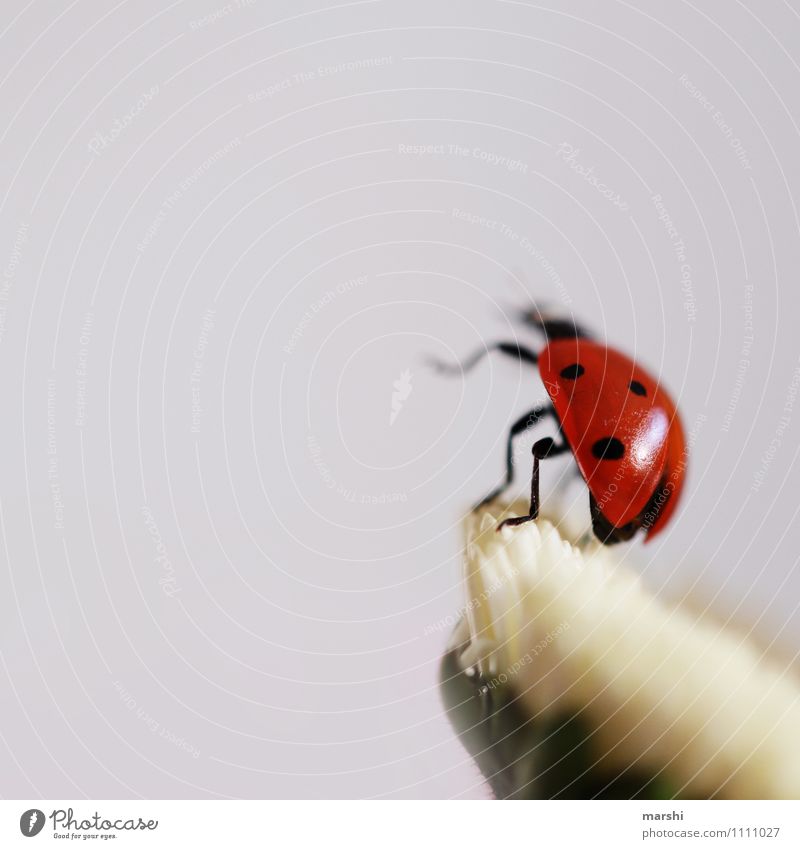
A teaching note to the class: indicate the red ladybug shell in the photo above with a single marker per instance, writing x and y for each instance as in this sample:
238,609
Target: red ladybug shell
622,428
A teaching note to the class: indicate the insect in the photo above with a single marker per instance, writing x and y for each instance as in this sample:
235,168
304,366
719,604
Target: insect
622,428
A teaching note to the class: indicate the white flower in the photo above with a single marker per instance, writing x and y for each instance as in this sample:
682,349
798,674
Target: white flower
573,629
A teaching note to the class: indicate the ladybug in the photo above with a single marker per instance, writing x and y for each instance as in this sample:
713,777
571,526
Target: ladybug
620,425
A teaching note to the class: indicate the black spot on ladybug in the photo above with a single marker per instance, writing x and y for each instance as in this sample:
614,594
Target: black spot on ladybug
572,372
608,448
637,388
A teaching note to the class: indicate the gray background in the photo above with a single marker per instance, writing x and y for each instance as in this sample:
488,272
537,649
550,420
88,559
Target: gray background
251,599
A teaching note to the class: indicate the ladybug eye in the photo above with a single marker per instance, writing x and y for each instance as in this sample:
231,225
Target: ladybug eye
572,372
637,388
608,448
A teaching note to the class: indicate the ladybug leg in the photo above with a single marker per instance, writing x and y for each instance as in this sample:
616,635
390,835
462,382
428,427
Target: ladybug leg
511,349
520,426
542,448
